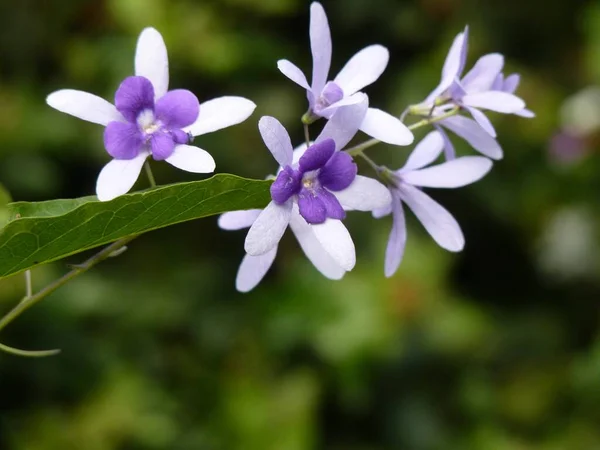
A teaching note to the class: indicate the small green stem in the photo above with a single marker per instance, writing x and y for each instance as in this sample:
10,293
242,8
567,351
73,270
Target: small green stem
149,174
28,353
28,288
306,135
369,161
358,149
31,300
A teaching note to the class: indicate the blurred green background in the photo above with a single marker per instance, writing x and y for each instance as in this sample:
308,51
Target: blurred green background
497,347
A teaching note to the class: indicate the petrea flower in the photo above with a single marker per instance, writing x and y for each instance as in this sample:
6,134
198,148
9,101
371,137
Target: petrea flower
483,87
476,89
363,69
148,120
404,187
510,85
328,186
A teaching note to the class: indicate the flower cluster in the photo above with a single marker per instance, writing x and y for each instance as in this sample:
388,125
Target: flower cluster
317,182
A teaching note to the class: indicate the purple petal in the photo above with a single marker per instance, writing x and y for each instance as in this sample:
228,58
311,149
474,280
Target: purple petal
511,83
162,145
339,172
135,94
320,44
177,109
483,74
397,240
123,140
526,114
180,136
498,83
449,150
332,205
311,207
332,93
317,155
482,120
345,122
287,183
476,136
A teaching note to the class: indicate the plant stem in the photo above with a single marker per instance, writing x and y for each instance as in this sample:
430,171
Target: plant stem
31,300
28,288
149,174
27,353
358,149
306,134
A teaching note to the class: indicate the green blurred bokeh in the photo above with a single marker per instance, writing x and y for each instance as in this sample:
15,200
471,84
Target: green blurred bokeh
493,348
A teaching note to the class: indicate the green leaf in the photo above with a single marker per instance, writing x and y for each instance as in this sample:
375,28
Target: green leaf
4,208
46,231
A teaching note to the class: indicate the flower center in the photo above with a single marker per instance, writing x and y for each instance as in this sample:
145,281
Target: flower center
147,122
331,94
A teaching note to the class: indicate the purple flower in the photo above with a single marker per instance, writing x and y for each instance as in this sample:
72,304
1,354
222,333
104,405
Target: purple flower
510,85
326,96
477,89
405,188
148,120
327,245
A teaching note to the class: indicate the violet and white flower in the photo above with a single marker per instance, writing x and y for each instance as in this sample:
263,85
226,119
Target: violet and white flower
510,85
405,188
326,96
312,190
149,120
483,87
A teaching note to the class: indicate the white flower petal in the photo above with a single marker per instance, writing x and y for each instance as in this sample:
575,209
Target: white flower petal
354,99
313,249
364,194
335,239
277,140
483,121
502,102
382,212
84,106
151,60
394,251
476,136
453,65
236,220
267,230
118,177
426,151
483,74
292,71
192,159
253,269
386,128
451,174
438,222
345,122
526,114
320,45
363,69
221,112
